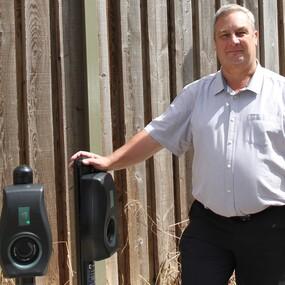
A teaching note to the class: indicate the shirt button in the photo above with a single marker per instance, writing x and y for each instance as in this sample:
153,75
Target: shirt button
228,165
229,191
229,142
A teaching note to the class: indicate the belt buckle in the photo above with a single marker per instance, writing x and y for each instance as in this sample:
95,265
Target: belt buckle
245,218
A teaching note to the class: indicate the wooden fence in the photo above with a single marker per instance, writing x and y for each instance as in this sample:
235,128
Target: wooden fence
148,50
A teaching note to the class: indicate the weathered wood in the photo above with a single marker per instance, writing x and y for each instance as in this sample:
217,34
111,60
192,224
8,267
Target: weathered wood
118,126
182,74
75,106
225,2
269,35
160,98
106,123
38,99
204,50
9,105
60,138
136,207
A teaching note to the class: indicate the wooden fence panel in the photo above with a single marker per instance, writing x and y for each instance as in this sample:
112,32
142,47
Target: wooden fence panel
38,100
160,99
34,93
9,107
205,56
269,35
148,50
105,98
136,208
182,73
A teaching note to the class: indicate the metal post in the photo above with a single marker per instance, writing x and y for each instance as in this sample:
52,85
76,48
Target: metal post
88,273
25,281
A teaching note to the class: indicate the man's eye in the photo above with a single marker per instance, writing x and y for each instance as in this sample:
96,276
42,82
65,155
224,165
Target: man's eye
241,34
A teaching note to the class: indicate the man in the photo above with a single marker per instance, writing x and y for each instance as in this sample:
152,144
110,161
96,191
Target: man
235,121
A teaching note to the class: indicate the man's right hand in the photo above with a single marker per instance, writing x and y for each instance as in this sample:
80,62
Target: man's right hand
97,161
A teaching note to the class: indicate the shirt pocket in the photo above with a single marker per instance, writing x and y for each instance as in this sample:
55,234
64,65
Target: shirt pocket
263,130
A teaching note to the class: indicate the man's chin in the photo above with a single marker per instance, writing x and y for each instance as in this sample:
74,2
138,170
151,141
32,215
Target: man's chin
237,61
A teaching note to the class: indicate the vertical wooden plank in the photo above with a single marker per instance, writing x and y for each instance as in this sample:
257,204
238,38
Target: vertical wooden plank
118,126
160,99
182,67
39,113
134,122
269,34
9,104
225,2
9,139
106,119
281,29
204,50
59,96
75,106
99,105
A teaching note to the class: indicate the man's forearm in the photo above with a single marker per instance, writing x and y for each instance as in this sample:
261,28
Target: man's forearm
141,147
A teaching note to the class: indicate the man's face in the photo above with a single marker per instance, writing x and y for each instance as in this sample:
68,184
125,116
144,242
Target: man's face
235,40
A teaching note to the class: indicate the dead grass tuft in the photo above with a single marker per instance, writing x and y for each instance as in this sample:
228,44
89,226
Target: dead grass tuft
169,270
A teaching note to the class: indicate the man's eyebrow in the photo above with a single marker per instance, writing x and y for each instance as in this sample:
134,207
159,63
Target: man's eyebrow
227,30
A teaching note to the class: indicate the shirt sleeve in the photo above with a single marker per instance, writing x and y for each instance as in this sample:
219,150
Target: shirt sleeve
172,129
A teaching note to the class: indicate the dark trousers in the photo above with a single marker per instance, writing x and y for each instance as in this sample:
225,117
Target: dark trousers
213,247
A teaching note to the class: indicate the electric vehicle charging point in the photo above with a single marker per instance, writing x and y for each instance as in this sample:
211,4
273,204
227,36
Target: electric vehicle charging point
96,219
25,239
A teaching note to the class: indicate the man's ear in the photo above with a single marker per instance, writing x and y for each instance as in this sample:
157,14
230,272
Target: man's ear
256,34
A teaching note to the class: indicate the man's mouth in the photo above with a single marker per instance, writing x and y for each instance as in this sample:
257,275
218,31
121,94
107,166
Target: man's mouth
235,51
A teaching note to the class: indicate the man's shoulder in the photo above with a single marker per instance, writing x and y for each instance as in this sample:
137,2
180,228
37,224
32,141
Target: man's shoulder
204,80
272,75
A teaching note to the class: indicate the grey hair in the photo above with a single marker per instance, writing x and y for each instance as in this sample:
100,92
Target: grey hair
229,8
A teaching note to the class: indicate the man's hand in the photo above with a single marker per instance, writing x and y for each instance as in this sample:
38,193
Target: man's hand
139,148
97,161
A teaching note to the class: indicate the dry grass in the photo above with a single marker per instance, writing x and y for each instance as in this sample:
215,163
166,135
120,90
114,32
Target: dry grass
169,272
4,281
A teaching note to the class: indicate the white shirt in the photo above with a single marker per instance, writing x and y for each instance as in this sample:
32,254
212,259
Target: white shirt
238,140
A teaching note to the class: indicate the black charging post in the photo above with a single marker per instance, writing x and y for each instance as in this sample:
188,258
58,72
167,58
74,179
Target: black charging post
25,240
96,219
24,175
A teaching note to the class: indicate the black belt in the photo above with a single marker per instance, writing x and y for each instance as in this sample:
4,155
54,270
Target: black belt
244,218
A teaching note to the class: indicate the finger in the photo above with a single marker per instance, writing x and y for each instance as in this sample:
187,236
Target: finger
76,156
89,161
81,153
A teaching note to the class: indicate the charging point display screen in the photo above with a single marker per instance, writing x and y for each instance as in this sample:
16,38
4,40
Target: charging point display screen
24,216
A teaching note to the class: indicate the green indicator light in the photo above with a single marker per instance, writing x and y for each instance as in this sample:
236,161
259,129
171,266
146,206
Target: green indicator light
24,216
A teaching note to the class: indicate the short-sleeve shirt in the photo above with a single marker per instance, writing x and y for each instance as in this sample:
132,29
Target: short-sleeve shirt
238,141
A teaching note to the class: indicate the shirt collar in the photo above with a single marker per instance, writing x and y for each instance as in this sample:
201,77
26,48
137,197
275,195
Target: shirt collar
219,83
254,85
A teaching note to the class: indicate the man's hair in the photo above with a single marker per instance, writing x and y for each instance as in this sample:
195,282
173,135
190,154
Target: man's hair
227,9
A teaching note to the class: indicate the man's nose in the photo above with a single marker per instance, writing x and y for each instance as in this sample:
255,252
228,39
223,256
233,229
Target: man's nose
235,39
